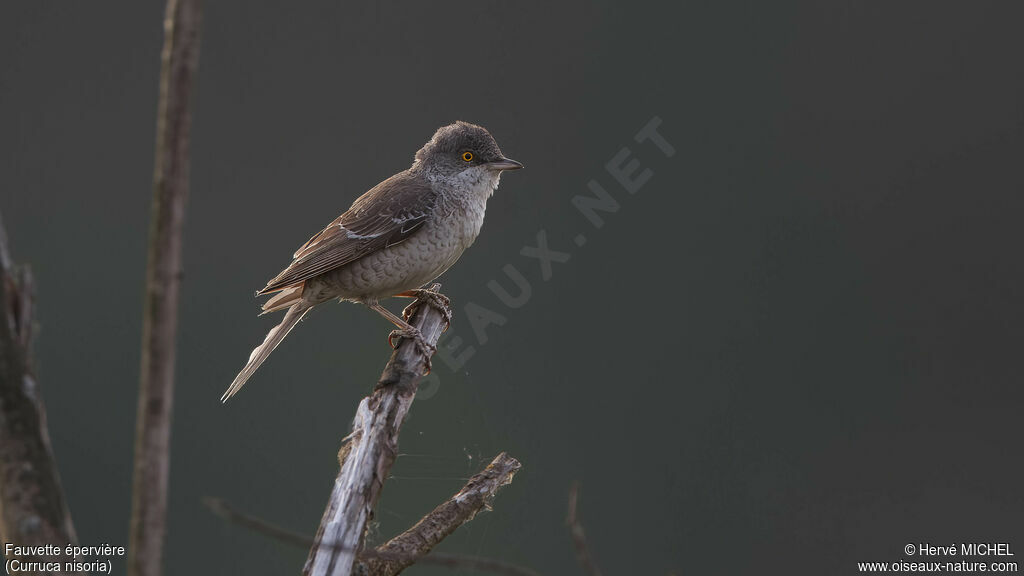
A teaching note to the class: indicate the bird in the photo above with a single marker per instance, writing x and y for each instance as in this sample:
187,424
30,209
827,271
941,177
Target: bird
394,239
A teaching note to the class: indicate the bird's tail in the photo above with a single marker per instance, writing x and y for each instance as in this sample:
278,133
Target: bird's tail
274,337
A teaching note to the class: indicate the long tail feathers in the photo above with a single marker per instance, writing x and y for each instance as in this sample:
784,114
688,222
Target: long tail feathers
284,299
274,337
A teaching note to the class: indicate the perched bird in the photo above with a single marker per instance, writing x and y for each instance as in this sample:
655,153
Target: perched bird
402,234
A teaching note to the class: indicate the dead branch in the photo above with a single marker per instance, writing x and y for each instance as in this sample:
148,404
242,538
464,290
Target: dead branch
370,451
180,58
411,545
579,540
33,511
454,561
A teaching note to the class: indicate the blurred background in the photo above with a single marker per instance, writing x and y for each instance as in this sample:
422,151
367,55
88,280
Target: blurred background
795,348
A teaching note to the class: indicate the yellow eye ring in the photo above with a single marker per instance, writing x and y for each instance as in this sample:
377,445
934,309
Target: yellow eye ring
467,156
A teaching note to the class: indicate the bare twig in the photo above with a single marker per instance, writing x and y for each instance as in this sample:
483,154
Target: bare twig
33,511
163,279
417,541
370,451
225,511
458,562
579,540
455,562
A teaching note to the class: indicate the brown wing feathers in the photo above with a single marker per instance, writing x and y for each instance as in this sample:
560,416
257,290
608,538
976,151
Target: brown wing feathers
386,215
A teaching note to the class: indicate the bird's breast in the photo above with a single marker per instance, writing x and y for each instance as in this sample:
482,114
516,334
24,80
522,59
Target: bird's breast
409,264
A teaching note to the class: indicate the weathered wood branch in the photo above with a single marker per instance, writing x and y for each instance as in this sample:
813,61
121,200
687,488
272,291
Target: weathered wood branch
33,511
179,61
408,547
370,451
413,545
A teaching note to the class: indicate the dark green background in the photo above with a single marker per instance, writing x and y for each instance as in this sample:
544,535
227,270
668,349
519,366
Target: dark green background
796,348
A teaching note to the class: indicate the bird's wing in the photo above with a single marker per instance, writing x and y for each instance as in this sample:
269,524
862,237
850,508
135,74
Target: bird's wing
386,215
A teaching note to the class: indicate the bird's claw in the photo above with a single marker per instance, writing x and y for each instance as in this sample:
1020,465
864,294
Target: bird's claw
391,338
434,298
425,348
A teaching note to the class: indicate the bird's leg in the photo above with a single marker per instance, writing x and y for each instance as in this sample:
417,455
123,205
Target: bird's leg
405,330
431,296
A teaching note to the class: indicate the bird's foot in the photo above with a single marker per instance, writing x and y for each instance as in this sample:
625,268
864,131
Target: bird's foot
429,296
422,346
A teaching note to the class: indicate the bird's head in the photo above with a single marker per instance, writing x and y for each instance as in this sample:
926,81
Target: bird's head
464,149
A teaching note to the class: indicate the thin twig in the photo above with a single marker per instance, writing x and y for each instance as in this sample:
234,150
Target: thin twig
163,279
260,526
579,540
33,511
417,541
456,561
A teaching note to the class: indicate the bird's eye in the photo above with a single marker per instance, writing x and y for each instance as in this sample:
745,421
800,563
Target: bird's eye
467,156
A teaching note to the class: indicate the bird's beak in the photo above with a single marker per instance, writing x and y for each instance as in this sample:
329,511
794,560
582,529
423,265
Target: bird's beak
504,164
